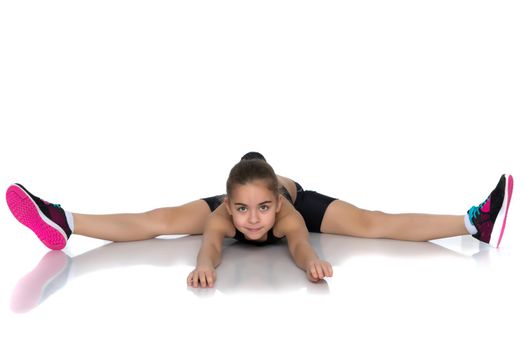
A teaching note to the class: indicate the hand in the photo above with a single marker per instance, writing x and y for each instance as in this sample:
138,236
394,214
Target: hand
316,270
206,274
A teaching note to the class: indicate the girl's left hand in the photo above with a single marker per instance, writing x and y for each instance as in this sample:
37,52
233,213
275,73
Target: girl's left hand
316,270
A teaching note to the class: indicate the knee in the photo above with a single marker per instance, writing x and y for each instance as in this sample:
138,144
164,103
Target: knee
158,221
374,223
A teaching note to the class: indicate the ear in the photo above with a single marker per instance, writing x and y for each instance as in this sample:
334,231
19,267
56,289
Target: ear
279,203
227,205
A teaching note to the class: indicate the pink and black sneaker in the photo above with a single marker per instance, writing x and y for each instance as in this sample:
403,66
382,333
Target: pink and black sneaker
489,218
47,220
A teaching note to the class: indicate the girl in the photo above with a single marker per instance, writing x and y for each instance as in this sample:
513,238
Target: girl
260,208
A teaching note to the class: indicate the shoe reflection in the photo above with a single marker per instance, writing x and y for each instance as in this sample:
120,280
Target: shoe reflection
243,268
48,276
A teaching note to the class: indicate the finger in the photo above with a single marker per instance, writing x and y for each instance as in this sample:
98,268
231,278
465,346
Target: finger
191,277
209,278
320,272
326,270
195,279
310,277
202,277
313,272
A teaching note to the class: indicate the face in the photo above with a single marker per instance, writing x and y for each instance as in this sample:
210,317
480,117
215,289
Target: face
253,206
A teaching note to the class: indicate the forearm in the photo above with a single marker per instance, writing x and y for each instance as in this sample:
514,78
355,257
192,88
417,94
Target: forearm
208,256
302,254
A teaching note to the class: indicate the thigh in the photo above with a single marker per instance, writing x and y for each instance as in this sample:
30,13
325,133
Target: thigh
344,218
189,218
312,206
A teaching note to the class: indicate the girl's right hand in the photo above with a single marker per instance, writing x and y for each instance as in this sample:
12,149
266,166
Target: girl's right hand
205,274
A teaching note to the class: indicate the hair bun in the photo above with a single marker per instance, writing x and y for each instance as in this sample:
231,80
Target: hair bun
253,155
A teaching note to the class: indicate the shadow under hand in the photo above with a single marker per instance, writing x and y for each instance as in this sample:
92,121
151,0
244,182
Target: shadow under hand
264,269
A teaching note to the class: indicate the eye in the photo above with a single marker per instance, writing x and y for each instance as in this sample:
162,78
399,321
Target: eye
265,206
239,209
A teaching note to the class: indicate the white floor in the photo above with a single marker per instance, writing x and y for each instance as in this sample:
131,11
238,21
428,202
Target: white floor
124,106
446,293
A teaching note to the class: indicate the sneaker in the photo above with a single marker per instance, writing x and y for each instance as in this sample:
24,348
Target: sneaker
490,217
45,219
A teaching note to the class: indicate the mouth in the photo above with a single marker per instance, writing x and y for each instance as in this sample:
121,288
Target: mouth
254,230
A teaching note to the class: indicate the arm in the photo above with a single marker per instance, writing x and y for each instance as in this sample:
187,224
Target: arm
211,248
301,250
209,256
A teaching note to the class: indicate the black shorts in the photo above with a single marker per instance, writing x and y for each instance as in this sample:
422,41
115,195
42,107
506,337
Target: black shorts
310,204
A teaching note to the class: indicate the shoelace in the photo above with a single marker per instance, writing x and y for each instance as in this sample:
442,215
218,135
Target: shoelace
54,205
476,211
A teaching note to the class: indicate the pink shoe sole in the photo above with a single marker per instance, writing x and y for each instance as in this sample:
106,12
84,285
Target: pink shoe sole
508,196
27,212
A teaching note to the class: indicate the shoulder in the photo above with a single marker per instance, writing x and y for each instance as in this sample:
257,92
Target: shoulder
291,221
219,222
294,228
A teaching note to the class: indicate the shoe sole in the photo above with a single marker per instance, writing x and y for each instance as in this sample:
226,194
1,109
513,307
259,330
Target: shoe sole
27,212
501,219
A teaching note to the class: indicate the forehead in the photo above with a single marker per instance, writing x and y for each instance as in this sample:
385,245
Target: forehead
252,193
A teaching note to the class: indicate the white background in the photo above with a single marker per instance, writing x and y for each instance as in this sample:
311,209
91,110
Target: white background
400,106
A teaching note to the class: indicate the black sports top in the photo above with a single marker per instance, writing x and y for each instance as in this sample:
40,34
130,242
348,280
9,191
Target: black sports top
271,238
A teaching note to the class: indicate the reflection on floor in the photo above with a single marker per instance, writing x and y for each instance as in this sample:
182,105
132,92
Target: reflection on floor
243,268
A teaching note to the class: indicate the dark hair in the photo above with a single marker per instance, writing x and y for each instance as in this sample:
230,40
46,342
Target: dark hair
253,155
249,170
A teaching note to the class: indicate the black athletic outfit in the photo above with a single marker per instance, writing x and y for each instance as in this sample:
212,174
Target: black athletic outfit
310,204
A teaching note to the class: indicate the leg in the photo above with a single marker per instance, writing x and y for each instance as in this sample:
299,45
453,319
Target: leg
346,219
189,218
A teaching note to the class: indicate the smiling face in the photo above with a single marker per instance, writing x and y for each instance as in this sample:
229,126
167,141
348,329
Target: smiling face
253,206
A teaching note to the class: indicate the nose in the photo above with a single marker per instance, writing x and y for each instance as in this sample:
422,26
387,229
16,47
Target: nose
253,217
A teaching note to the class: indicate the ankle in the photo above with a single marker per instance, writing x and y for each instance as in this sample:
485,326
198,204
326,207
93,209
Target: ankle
70,220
